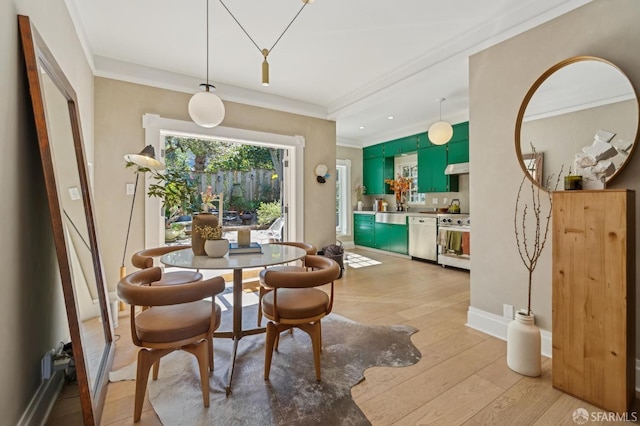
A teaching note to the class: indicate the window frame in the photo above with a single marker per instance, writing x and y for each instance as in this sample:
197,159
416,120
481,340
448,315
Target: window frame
343,197
415,197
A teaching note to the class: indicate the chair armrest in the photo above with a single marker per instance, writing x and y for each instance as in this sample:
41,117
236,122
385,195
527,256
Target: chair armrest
132,289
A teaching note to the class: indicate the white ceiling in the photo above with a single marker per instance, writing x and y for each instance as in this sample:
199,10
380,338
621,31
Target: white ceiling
353,61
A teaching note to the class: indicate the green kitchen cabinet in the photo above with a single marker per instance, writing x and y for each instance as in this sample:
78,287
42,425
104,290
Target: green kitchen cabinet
459,144
423,140
431,164
401,146
391,237
460,132
458,152
373,151
364,229
374,172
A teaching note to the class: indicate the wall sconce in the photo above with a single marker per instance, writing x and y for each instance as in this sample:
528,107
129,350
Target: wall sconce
321,173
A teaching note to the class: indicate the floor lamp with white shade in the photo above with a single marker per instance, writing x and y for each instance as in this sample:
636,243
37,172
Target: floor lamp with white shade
145,161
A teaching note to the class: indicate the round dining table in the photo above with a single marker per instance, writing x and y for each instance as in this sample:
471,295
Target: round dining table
271,254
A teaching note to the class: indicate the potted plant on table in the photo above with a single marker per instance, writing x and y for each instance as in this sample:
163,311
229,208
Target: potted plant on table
523,336
214,244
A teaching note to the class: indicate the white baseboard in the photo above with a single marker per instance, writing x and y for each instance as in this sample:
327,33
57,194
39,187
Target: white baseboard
42,403
388,253
496,326
348,244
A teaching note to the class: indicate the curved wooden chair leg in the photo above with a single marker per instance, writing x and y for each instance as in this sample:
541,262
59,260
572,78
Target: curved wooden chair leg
201,350
146,359
316,341
156,369
272,334
313,330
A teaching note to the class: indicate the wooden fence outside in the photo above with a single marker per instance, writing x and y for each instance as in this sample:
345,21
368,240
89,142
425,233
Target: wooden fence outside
254,186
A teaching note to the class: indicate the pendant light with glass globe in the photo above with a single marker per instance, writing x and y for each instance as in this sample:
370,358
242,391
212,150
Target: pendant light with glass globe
205,108
440,132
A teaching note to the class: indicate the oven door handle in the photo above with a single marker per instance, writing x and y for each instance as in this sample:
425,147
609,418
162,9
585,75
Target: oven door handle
455,228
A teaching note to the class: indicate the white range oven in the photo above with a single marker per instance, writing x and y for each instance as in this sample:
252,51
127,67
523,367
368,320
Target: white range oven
454,240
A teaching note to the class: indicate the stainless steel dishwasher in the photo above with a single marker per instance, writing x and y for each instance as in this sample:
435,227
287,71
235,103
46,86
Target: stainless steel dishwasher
423,237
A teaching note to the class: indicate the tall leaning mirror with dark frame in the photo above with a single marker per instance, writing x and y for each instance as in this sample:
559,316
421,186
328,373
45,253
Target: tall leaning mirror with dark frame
57,124
582,114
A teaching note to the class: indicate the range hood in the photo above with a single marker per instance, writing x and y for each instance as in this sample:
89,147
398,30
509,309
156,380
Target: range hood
457,169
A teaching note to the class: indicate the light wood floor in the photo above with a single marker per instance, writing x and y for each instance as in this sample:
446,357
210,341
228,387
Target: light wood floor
462,377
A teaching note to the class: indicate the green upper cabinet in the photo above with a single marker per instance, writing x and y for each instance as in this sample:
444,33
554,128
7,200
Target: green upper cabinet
459,144
374,172
458,152
378,161
431,164
401,146
423,140
373,151
460,132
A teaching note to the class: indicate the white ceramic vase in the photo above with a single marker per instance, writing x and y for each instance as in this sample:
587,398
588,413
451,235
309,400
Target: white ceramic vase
359,206
216,248
523,345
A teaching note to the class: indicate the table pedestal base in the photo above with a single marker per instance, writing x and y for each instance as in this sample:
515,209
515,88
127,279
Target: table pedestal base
237,333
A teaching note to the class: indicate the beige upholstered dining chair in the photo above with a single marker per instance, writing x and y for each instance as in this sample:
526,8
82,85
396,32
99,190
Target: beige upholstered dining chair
177,318
296,302
264,289
145,259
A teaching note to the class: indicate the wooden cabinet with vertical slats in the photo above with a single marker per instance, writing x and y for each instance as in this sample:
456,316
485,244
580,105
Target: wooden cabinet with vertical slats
593,304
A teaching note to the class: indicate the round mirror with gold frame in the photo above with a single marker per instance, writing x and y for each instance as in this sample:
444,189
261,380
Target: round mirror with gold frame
581,116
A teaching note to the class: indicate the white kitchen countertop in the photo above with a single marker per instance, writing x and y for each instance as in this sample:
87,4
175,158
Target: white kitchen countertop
409,213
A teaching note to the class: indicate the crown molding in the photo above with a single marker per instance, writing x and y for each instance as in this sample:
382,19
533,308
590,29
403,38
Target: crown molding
139,74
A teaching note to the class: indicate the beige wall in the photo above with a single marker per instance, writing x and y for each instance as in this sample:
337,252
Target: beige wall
32,311
119,108
499,78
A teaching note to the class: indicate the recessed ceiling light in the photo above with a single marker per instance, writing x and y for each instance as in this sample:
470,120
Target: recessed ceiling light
391,117
361,127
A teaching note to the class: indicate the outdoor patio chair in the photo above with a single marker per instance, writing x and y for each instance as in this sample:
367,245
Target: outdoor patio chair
274,232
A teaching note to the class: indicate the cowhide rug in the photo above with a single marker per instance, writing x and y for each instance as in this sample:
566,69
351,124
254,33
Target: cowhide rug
291,396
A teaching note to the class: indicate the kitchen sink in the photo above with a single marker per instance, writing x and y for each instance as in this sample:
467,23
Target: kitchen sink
396,218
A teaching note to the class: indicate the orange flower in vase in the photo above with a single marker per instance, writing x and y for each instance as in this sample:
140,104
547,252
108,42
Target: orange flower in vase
400,186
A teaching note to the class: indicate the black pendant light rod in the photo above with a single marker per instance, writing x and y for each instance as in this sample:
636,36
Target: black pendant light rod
207,86
250,38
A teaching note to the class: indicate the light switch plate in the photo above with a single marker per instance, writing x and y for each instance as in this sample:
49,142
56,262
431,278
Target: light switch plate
445,200
130,189
74,193
434,201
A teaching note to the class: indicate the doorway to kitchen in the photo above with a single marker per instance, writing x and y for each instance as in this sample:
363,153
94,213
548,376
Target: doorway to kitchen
157,130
